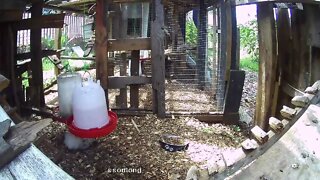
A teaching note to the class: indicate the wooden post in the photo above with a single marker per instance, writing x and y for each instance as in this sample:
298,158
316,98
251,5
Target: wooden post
224,54
202,44
234,91
134,89
284,55
37,96
101,41
267,66
123,71
157,55
57,45
235,47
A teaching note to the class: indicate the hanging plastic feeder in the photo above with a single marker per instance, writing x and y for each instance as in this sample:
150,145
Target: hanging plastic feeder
94,132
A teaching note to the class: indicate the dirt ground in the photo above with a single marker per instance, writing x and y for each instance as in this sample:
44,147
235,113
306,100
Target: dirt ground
129,153
137,155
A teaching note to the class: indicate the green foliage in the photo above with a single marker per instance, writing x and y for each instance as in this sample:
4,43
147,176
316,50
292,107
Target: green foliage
47,43
25,81
249,39
47,65
249,63
191,33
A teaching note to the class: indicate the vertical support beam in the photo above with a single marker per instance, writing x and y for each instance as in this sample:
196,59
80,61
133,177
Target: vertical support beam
123,72
235,47
157,55
234,92
101,45
57,45
37,96
222,60
202,44
267,65
227,37
134,89
284,55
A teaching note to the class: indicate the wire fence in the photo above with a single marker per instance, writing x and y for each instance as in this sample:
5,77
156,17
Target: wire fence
73,27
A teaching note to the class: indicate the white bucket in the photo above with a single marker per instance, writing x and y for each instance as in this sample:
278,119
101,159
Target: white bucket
66,84
89,106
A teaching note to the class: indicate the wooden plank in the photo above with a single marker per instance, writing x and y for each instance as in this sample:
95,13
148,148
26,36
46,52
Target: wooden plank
129,1
101,47
20,137
235,39
158,59
247,2
123,72
12,5
290,90
134,89
263,148
129,44
223,51
37,95
4,82
234,91
230,118
44,53
294,156
267,66
284,55
57,45
31,164
48,21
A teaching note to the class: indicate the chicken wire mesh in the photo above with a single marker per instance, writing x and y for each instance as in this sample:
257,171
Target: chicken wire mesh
191,56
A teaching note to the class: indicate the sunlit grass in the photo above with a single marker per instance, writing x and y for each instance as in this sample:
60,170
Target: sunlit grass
250,64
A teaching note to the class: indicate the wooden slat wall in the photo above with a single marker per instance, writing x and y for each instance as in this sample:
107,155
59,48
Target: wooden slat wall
158,60
101,44
37,95
267,66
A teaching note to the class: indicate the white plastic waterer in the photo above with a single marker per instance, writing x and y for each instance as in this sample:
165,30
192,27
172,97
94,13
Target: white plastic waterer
89,105
66,84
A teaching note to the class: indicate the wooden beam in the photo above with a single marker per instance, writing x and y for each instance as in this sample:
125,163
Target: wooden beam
290,90
57,45
247,2
284,56
267,66
134,89
235,39
129,1
234,91
223,51
37,94
48,21
230,118
101,47
44,53
123,97
265,147
129,44
158,59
